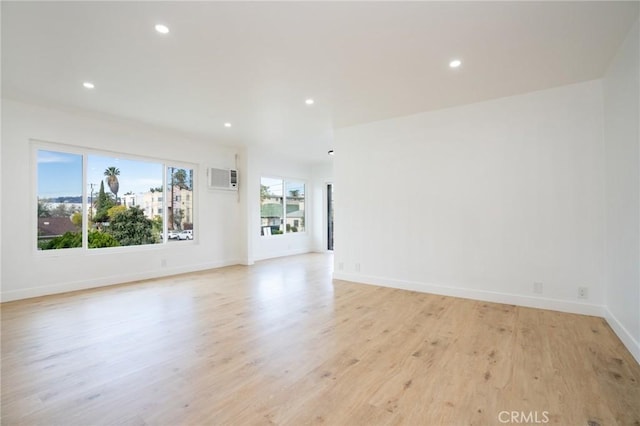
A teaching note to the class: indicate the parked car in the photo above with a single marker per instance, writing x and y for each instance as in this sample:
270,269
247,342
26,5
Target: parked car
186,235
173,235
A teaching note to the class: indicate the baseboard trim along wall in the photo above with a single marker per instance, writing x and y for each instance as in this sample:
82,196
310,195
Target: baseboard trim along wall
511,299
624,335
486,296
283,253
107,281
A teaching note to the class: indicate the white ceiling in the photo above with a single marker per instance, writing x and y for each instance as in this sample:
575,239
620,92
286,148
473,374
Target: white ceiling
254,64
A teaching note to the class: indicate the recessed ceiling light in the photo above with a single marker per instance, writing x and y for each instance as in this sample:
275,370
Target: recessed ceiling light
309,101
162,29
227,124
455,63
88,85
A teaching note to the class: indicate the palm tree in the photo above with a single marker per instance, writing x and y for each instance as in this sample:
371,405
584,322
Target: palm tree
112,180
180,177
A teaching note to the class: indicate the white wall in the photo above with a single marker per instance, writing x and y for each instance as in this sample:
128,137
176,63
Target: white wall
479,201
27,273
622,148
271,164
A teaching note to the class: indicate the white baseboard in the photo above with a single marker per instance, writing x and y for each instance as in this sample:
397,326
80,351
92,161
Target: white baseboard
283,253
512,299
627,339
66,287
321,250
484,295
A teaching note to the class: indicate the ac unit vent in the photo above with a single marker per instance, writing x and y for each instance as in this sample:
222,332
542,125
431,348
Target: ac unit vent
222,179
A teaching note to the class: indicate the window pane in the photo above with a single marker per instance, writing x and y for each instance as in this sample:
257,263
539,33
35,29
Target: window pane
271,206
180,204
295,206
126,202
59,200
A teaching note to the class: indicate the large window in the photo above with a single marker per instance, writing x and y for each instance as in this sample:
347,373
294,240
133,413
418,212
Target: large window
180,203
281,206
113,220
123,204
59,196
294,214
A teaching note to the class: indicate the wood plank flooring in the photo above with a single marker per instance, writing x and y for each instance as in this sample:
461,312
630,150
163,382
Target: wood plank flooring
280,343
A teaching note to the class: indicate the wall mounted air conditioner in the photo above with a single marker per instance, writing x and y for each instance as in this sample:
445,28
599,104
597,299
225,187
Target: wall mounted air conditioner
222,179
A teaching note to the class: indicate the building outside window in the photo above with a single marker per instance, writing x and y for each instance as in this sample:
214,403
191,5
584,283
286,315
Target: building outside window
282,206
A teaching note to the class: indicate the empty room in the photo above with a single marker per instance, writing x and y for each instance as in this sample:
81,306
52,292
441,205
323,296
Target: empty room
339,213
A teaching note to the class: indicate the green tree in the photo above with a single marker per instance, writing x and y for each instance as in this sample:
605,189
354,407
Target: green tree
112,174
131,228
68,240
76,218
99,239
44,209
115,210
173,197
63,210
264,192
294,193
180,179
156,224
103,204
178,215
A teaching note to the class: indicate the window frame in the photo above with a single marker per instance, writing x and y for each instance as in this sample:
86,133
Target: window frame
284,180
37,145
85,152
193,201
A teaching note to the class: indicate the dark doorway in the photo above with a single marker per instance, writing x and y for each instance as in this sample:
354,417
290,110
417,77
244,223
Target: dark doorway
329,216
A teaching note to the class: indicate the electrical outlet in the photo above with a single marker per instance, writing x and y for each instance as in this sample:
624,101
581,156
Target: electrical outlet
537,287
340,266
583,293
357,267
163,262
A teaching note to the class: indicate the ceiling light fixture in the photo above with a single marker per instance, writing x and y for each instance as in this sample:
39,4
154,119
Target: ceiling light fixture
88,85
227,124
309,101
162,29
455,63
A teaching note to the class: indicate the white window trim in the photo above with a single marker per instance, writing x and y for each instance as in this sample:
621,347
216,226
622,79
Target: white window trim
284,181
85,152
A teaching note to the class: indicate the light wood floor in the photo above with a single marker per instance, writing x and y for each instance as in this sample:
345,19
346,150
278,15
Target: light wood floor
280,343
